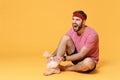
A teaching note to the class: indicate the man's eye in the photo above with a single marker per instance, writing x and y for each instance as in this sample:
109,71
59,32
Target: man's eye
78,19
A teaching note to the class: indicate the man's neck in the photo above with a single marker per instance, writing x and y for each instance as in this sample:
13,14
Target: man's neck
82,30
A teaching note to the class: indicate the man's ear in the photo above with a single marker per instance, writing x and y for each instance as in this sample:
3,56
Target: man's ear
84,21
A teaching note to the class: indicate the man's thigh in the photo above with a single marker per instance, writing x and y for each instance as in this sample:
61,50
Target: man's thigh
86,65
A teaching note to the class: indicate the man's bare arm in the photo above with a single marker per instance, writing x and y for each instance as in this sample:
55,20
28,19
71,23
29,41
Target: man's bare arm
79,55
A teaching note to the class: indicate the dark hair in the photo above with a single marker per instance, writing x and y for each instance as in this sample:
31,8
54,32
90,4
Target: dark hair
81,12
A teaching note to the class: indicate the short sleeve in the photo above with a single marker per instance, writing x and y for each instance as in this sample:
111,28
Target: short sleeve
69,33
92,40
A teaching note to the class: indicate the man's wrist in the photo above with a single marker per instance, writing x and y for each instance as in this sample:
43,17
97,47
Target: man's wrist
64,58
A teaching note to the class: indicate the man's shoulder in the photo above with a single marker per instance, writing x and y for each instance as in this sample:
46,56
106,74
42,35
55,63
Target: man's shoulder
70,32
91,30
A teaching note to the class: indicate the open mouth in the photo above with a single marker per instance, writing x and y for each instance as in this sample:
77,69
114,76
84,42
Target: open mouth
75,26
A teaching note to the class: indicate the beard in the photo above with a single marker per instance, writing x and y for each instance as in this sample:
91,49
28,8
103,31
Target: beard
76,27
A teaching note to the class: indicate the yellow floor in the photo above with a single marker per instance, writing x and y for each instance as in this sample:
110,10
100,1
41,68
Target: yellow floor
29,27
32,68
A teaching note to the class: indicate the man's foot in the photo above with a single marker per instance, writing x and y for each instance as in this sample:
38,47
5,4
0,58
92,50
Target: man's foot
52,71
64,68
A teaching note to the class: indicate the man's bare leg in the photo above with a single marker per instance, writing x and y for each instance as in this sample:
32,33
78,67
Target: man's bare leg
85,65
66,44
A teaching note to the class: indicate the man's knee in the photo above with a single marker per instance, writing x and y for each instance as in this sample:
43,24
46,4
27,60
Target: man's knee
66,38
89,63
69,44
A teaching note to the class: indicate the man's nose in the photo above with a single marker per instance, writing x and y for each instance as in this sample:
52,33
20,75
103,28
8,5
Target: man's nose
74,21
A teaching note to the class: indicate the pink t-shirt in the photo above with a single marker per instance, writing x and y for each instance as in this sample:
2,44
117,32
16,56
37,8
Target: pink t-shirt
89,38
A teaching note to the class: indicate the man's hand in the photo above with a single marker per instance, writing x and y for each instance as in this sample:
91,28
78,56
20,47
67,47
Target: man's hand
48,56
53,62
58,58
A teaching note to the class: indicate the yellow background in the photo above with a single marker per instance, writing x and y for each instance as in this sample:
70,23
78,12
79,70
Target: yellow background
29,27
